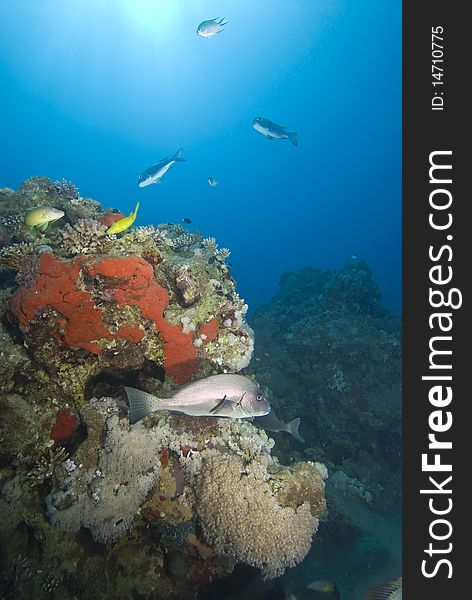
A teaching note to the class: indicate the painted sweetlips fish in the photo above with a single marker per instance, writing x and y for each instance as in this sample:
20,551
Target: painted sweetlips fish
225,395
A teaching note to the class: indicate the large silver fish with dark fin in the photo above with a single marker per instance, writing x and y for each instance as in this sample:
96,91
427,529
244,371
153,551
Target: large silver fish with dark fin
154,173
233,396
272,131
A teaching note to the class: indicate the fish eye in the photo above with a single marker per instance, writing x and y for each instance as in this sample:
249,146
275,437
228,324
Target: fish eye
259,397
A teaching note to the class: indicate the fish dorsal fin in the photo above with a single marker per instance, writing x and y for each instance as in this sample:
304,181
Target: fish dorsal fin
178,155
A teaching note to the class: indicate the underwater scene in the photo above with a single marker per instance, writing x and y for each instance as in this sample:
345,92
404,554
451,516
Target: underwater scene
200,300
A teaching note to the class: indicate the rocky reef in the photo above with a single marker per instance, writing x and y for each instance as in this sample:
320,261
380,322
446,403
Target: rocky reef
328,352
89,505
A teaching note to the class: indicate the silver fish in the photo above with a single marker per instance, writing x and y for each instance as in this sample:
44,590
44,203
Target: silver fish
233,396
154,173
212,182
211,27
272,131
271,422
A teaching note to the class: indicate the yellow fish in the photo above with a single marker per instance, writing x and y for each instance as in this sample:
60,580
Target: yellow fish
125,223
322,585
41,216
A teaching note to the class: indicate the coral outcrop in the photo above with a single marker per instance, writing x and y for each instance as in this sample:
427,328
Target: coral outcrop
88,303
261,526
166,505
331,354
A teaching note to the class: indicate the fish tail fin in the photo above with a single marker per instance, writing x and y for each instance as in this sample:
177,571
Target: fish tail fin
178,155
292,428
141,404
292,136
384,591
136,209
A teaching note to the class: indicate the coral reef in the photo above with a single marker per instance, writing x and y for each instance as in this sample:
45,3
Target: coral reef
89,303
87,236
106,496
261,527
89,505
331,354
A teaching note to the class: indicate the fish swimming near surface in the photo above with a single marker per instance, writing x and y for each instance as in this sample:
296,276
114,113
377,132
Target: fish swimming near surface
212,182
392,590
41,216
125,223
211,27
272,131
155,172
225,395
271,422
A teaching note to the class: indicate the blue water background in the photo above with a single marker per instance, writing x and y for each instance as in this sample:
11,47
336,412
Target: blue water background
95,91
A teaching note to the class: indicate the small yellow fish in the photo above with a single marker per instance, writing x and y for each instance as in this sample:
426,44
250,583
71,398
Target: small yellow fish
322,585
392,590
125,223
41,216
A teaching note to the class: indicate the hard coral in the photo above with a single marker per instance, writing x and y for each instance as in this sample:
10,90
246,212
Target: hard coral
87,236
243,520
106,497
13,256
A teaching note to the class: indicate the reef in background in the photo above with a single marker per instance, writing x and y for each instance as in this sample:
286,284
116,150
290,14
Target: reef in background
89,506
328,352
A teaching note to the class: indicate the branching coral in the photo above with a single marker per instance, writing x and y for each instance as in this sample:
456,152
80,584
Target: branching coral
13,257
143,234
87,236
44,467
67,189
209,243
14,223
185,240
223,253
